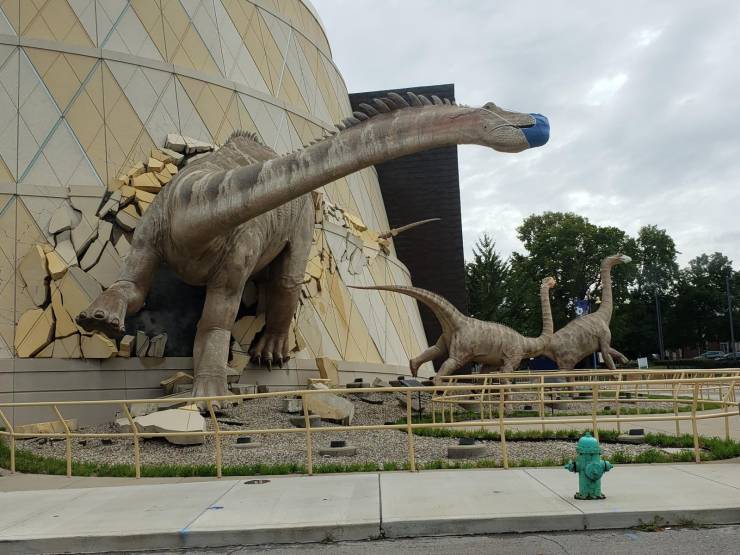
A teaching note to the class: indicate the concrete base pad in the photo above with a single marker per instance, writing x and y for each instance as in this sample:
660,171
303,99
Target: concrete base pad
291,509
466,451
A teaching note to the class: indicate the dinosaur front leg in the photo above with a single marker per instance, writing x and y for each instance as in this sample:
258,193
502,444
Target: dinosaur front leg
212,341
127,294
430,354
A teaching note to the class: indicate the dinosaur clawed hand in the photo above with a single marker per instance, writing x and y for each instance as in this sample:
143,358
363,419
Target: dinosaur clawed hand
271,347
106,314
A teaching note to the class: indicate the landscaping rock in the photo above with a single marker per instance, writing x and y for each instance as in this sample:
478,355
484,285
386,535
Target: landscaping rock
329,406
186,419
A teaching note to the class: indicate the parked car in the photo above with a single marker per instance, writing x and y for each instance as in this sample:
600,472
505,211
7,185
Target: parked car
731,356
712,355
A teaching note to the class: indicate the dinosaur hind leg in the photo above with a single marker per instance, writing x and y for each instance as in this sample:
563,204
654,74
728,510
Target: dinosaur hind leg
617,355
605,352
127,294
287,272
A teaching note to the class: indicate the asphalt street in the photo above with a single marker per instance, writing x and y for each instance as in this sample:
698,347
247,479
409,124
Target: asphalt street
721,540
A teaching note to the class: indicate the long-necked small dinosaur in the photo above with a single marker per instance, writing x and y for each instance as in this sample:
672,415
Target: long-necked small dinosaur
590,333
243,208
465,339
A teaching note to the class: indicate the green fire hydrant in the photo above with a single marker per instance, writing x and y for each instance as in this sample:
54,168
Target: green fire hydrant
590,468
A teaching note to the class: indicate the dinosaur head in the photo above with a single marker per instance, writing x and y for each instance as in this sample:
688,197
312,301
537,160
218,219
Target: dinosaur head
615,259
549,282
511,131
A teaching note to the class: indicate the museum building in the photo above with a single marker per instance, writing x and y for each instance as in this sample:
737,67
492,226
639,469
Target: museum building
90,92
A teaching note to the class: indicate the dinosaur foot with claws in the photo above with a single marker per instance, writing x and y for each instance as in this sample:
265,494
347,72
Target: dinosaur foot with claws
271,347
211,385
107,313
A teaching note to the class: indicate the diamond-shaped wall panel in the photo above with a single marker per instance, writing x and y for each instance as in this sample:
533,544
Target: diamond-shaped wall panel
9,15
7,273
124,31
8,112
53,20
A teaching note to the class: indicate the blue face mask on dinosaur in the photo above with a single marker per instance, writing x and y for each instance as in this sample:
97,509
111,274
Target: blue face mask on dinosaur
539,133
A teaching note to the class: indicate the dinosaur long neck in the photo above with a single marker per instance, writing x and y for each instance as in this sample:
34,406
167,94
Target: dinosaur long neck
258,188
534,346
547,325
607,304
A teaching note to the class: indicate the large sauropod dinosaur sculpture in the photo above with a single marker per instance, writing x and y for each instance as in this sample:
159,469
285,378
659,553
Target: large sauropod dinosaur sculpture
465,339
242,208
587,334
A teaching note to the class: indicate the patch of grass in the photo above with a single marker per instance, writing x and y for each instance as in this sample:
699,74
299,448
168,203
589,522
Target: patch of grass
655,525
713,449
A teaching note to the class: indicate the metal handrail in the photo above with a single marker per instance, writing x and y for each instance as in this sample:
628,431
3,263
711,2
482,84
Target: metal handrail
495,394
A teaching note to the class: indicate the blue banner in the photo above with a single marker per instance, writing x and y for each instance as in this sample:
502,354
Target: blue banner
583,307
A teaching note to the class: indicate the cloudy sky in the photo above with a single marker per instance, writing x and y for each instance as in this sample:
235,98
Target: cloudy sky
643,100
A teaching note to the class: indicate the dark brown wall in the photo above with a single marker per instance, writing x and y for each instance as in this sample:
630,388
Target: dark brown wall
421,186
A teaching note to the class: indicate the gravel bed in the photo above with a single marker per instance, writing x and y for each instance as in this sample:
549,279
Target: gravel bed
378,446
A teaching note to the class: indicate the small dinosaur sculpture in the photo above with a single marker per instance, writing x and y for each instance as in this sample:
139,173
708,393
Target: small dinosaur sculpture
243,208
398,230
587,334
465,339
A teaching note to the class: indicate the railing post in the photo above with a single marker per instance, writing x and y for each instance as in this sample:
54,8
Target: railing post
726,407
594,407
617,394
69,441
675,409
501,427
12,440
697,456
217,429
309,439
541,390
410,433
135,430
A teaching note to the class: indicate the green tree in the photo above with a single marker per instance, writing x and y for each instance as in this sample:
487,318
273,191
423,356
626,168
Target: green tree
485,281
700,309
657,273
569,248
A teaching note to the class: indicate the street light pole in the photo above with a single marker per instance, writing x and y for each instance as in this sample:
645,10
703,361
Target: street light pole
659,319
729,314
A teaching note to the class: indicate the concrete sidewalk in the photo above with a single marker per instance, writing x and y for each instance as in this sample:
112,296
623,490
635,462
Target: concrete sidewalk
294,509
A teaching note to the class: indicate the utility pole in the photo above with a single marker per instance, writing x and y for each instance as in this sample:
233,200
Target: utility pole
729,314
659,319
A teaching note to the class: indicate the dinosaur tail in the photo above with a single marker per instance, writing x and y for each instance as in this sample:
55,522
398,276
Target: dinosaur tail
397,230
443,310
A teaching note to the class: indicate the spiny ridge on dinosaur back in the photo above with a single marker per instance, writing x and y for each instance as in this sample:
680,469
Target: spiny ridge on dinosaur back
248,134
382,105
390,103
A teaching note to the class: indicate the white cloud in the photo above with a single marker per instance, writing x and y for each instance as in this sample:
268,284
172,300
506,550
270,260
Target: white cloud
646,37
604,89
